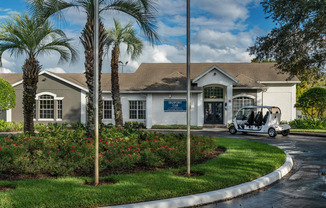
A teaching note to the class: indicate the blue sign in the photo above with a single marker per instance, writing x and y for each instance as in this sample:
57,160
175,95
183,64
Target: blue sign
175,105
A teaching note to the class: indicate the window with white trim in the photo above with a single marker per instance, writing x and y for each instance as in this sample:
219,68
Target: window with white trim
240,102
59,109
137,109
107,109
46,107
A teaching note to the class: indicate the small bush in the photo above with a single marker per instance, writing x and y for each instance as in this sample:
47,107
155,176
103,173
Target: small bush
59,151
309,123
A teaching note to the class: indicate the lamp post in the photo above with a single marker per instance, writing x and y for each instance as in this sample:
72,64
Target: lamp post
96,89
188,88
122,64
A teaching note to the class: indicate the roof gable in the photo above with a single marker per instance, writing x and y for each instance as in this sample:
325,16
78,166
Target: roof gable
55,76
218,69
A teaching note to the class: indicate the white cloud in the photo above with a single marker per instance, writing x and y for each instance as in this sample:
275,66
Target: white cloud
55,70
4,70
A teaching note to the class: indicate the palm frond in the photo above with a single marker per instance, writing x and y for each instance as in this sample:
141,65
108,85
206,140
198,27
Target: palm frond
142,10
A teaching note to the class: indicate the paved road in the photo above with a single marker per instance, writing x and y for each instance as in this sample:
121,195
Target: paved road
304,185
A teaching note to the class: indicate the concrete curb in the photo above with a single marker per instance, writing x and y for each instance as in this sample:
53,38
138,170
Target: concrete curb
308,134
218,195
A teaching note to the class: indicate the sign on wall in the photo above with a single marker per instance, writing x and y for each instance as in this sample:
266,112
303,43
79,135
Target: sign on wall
175,105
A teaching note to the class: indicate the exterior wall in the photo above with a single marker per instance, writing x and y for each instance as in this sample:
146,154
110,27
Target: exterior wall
155,114
125,98
3,115
160,117
71,105
282,96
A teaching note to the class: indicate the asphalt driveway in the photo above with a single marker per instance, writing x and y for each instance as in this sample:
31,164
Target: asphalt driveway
304,186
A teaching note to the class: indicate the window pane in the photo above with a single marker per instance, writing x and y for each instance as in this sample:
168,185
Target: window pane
137,109
59,109
46,107
213,92
241,102
107,109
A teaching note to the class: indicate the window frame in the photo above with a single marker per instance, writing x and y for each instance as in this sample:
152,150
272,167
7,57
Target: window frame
49,101
140,112
108,110
243,99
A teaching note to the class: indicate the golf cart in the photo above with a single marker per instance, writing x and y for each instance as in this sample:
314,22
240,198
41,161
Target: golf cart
251,119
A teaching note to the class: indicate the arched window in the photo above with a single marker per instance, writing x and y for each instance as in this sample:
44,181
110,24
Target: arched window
213,93
240,102
46,107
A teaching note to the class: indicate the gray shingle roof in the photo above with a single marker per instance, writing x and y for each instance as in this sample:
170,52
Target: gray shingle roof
172,76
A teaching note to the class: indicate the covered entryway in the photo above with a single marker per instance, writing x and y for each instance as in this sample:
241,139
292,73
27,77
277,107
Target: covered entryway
213,105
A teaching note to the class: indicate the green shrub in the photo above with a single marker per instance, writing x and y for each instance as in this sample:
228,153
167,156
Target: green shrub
59,151
309,123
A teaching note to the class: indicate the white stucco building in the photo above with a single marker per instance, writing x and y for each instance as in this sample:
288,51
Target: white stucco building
156,93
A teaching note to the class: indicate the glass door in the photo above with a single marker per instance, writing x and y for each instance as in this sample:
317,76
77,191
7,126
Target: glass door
213,112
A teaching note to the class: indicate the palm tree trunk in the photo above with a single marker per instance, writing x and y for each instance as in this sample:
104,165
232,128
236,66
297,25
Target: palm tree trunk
87,40
115,87
31,69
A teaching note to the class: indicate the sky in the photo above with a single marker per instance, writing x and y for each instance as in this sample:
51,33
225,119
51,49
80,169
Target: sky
221,31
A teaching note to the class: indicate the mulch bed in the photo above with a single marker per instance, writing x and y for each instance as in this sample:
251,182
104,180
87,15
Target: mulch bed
13,176
7,187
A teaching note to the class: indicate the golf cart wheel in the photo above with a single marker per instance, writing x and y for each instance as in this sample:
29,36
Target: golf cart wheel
232,130
272,132
285,132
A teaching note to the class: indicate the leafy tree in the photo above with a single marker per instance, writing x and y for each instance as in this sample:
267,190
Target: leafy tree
116,36
29,36
7,95
255,60
312,102
141,10
298,43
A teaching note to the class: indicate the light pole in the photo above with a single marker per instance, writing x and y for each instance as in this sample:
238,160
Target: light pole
188,88
122,64
96,89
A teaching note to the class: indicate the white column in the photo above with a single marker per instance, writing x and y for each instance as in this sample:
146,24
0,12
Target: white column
259,97
294,100
9,115
83,107
200,110
229,104
149,107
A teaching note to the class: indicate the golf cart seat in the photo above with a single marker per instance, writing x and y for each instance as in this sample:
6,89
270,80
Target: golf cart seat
258,119
251,119
265,118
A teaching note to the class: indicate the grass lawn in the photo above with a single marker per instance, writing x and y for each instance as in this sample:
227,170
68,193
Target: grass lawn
309,130
243,161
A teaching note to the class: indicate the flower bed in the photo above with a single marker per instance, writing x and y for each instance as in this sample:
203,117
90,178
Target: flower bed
61,152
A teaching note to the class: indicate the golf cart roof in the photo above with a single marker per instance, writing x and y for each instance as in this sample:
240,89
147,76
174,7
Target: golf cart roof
261,107
270,108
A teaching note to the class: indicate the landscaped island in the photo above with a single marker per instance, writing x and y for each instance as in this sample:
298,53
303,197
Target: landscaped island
141,165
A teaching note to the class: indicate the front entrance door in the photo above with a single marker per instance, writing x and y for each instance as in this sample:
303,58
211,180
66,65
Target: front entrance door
213,112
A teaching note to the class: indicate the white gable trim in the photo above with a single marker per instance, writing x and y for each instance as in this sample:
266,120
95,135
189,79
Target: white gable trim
55,76
37,97
218,69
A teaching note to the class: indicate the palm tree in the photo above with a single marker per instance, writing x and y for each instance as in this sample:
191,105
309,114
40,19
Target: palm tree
25,35
116,36
141,10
